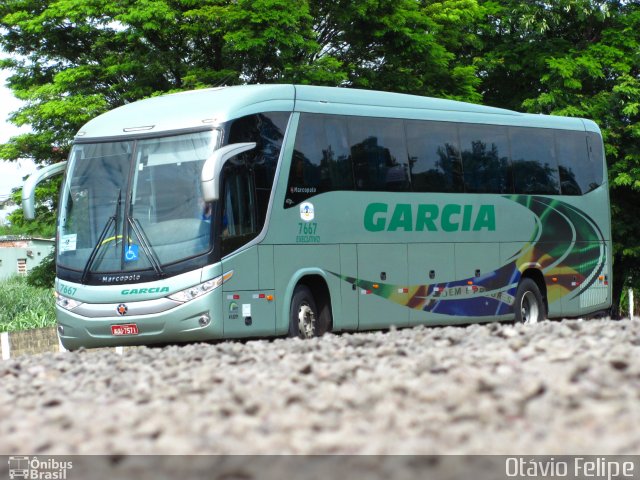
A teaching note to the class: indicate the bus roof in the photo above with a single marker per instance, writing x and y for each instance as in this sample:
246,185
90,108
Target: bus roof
198,109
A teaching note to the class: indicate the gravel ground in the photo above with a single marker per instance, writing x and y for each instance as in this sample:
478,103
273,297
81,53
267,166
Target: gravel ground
570,387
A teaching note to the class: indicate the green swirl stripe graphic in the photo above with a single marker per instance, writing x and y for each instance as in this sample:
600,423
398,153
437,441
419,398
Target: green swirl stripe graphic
569,236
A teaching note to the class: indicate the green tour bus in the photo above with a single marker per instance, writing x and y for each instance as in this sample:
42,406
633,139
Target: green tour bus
266,210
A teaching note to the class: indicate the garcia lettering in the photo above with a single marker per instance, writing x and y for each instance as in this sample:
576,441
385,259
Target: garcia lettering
429,217
140,291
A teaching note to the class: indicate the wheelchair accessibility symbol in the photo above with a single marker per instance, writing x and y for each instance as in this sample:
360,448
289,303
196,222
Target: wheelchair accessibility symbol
131,253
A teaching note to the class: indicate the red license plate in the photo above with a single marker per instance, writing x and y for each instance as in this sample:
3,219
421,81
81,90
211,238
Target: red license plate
128,329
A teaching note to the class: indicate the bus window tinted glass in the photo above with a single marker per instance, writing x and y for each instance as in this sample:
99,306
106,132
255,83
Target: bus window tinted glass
596,158
239,210
379,154
321,161
535,169
267,130
434,156
576,171
485,159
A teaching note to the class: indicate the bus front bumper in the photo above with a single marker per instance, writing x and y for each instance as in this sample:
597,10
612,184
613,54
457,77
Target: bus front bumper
197,320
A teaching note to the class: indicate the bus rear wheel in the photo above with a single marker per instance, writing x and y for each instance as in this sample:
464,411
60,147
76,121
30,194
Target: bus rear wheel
303,316
529,306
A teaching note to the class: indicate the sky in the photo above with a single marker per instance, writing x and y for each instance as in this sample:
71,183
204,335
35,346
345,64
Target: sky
11,173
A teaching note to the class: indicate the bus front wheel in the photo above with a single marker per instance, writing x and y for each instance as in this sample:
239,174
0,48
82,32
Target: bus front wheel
303,317
529,306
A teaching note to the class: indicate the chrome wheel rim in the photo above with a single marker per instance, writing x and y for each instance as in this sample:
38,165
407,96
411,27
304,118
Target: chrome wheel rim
306,321
529,308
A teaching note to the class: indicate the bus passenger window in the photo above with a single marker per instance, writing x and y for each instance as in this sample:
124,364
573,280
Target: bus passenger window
321,161
485,159
267,130
434,156
596,159
239,223
580,161
535,169
379,154
573,161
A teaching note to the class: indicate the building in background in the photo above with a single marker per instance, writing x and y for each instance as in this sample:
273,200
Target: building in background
19,254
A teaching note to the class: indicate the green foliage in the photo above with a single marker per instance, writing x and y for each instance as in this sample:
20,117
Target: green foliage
401,45
43,275
74,59
44,225
25,307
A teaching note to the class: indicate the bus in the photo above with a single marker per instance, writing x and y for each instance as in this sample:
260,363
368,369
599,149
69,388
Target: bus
273,210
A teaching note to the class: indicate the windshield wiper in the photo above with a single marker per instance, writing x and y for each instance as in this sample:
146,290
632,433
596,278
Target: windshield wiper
144,240
146,245
105,230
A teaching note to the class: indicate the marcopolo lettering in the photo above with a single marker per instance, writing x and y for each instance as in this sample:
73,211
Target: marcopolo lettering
429,217
120,278
140,291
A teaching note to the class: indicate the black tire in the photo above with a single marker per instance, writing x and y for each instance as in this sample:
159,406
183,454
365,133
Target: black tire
304,315
528,305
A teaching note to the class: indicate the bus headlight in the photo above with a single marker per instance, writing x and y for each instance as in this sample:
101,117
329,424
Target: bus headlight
196,291
65,302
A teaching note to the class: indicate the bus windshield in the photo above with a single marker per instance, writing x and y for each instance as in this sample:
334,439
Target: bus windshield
135,205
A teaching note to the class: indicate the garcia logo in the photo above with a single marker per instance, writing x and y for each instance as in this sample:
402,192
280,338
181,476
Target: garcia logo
141,291
430,217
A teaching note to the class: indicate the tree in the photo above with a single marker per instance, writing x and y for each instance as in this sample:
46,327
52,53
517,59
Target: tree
419,47
44,225
74,59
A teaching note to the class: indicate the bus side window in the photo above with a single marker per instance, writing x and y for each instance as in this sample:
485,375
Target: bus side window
596,159
267,130
338,158
434,156
239,223
321,159
535,168
485,159
379,154
573,162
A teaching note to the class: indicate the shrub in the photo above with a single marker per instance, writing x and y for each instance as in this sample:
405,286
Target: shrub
25,307
44,274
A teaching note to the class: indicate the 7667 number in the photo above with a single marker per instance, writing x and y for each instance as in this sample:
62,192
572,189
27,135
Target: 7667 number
307,228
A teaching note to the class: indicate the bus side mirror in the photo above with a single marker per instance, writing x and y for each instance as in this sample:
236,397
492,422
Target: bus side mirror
30,184
210,176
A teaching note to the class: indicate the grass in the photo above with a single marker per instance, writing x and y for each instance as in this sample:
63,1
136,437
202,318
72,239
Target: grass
23,307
